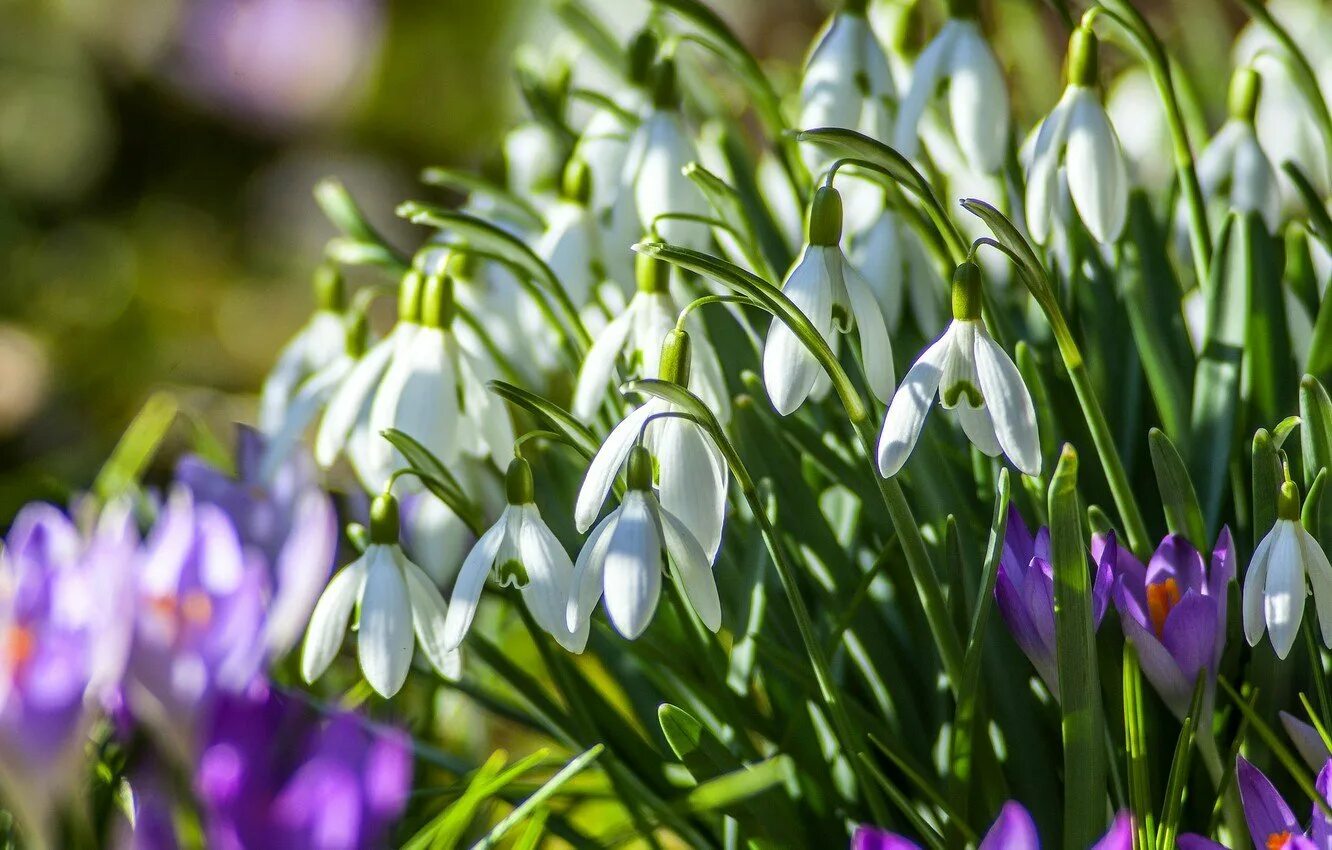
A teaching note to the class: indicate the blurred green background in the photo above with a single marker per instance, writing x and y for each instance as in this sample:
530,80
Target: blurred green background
156,159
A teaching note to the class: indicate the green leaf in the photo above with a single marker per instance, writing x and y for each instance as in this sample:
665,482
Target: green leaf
1179,766
1135,744
730,790
120,474
353,252
467,183
1178,498
1268,358
348,217
1079,675
1315,427
437,478
1266,481
1320,221
548,789
591,31
730,208
549,413
1031,271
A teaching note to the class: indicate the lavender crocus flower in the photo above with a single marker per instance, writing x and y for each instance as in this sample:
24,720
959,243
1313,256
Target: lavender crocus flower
281,513
1272,825
1012,830
1173,611
1024,592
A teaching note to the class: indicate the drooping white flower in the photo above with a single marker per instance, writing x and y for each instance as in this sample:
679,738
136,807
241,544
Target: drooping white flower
399,607
622,560
1078,139
1234,162
833,296
660,149
972,375
960,60
1139,120
534,155
518,550
1275,586
891,259
692,476
637,335
317,344
570,245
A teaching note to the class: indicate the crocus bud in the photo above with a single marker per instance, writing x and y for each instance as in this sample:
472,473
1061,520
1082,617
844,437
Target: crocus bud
675,352
384,519
825,217
967,292
518,483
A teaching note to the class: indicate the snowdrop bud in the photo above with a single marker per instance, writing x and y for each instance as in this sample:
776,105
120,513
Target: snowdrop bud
384,519
358,334
963,8
577,182
665,86
1245,86
437,301
825,217
409,296
518,485
1082,62
642,51
329,288
675,353
638,476
1288,502
967,292
653,275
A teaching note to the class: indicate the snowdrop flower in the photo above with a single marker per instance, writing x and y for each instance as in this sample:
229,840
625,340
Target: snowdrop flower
318,343
832,295
1139,120
637,335
345,427
972,375
434,391
520,551
1274,586
692,476
660,149
960,60
395,598
890,257
570,244
1077,137
1234,162
622,560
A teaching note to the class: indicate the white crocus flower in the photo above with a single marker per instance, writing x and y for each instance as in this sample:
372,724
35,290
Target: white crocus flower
434,391
691,471
637,335
1274,586
659,151
317,344
519,550
1234,162
396,599
1077,138
833,296
622,560
959,60
972,375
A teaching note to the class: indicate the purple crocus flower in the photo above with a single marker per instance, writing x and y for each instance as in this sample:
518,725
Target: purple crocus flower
58,655
1272,825
1012,830
1173,611
1024,592
280,511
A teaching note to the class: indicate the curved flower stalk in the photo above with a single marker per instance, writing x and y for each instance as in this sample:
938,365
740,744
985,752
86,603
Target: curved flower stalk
971,374
1234,164
1014,829
960,60
691,472
317,344
1271,822
395,599
1078,139
659,151
622,560
637,335
520,551
1024,592
833,296
58,656
1275,584
434,391
1173,611
890,257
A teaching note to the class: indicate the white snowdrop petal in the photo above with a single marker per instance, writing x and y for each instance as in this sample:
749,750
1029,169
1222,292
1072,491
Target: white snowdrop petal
329,621
586,584
977,100
1255,581
471,581
428,615
549,572
419,397
1043,175
1097,179
1254,186
789,369
694,568
1217,160
351,397
692,484
979,428
1009,403
660,187
706,378
606,464
1320,578
925,78
876,349
599,365
385,640
632,579
1284,590
906,412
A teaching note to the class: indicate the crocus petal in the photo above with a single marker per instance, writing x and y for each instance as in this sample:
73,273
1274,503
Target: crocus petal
385,637
585,587
1190,633
1097,177
693,479
789,369
926,74
1223,564
1012,830
633,567
599,366
977,100
328,623
1320,830
1189,841
1010,404
1043,176
876,349
1119,836
549,571
906,413
979,428
1176,558
1254,582
428,616
1284,590
471,581
694,568
606,463
872,838
1264,810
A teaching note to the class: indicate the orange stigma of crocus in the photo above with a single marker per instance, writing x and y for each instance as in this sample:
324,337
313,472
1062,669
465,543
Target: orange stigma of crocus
1161,598
19,645
1278,840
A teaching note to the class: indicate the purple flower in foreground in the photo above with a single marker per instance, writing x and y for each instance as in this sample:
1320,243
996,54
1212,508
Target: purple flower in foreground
285,516
1012,830
1173,611
1272,825
1024,592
